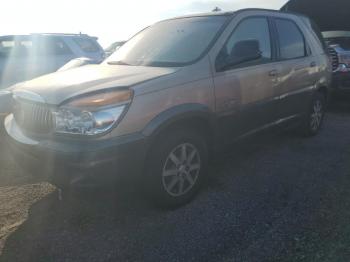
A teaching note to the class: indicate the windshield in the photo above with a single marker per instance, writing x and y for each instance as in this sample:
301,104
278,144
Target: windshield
174,42
343,42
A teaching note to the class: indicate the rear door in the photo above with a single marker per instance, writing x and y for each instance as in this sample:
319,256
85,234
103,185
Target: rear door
245,92
297,73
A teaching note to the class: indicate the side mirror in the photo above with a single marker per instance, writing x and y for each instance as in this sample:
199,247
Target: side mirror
243,51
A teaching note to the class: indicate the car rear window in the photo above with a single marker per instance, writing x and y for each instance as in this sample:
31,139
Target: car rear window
87,45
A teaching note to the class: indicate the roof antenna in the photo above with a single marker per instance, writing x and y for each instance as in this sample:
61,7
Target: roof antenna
216,9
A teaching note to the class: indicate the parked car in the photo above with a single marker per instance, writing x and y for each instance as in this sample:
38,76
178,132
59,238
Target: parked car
171,97
332,18
113,47
339,49
24,57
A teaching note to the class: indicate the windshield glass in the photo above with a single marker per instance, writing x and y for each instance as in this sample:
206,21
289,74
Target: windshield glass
174,42
343,42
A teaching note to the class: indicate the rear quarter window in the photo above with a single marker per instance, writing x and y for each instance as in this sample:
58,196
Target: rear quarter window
87,45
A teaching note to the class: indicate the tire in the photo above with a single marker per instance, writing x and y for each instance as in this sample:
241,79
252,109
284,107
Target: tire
176,168
313,120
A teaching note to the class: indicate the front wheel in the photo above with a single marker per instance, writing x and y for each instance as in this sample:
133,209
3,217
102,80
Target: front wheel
313,120
177,167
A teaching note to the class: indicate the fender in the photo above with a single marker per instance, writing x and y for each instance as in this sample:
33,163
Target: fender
179,113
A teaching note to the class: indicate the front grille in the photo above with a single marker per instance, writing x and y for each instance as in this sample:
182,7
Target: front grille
334,58
33,117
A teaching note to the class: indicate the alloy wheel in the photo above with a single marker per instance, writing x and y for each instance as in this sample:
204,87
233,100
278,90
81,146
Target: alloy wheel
316,115
181,169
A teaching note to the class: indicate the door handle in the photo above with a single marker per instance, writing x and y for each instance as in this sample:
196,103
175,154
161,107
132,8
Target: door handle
273,73
313,64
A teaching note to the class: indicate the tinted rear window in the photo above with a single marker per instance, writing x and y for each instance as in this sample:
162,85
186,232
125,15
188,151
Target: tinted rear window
87,45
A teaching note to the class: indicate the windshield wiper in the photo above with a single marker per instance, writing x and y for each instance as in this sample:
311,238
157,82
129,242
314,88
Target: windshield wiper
118,63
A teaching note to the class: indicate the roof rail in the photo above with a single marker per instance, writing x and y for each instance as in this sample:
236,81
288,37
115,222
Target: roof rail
239,11
272,10
61,34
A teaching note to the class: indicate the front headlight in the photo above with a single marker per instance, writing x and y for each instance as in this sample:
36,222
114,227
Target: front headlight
344,59
91,115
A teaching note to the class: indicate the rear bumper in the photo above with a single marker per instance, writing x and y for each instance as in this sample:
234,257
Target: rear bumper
76,162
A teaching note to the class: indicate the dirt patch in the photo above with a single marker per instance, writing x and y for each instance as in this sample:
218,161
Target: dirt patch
17,194
15,203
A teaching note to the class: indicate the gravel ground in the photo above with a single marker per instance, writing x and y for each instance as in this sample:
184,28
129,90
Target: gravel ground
276,197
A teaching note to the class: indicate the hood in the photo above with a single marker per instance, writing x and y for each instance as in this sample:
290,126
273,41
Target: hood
57,87
329,15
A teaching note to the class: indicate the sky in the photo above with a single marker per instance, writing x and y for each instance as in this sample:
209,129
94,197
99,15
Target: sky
109,20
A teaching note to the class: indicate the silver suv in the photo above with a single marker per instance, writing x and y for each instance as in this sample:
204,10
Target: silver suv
24,57
170,98
339,48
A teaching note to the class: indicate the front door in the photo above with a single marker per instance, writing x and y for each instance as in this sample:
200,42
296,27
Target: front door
245,90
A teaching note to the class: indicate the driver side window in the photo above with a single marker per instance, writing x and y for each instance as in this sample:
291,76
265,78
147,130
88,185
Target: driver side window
249,44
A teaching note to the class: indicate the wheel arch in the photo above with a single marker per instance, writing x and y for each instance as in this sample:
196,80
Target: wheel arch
196,116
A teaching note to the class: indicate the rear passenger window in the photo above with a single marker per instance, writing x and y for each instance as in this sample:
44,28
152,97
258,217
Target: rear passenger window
87,45
291,40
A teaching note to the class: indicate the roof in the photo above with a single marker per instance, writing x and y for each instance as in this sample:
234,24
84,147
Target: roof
47,34
231,13
204,14
62,34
